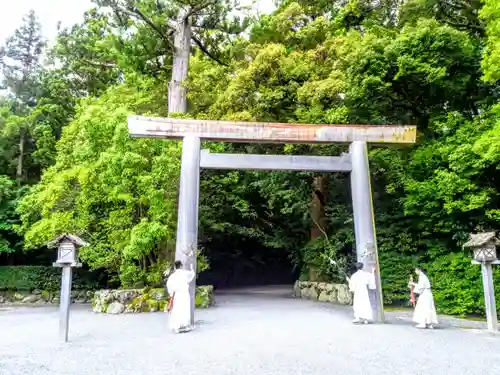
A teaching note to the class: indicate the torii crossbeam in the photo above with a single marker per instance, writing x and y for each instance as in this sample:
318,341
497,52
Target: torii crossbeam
355,162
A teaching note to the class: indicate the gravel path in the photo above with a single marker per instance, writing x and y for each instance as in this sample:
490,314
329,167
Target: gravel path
255,334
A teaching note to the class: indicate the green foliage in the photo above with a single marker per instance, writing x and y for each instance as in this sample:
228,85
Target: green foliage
45,278
20,59
328,260
425,62
491,14
204,296
117,192
461,294
202,262
86,53
9,241
427,199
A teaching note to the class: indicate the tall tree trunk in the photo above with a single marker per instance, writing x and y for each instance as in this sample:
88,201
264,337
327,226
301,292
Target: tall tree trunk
177,100
318,217
20,158
177,103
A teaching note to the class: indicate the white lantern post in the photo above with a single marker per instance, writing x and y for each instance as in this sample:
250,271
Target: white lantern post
67,258
484,250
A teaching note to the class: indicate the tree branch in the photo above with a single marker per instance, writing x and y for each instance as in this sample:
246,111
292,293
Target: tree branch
136,13
320,229
206,51
100,64
200,7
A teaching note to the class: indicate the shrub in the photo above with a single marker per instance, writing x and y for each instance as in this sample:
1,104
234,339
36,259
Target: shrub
456,282
28,278
395,271
457,285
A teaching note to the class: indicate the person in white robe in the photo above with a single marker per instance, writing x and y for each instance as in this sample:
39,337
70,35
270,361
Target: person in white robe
178,289
425,312
359,284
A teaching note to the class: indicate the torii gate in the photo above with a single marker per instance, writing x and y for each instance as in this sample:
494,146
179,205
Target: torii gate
356,162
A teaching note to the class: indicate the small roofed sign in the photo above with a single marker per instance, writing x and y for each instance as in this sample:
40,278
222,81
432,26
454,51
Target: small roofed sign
68,245
483,246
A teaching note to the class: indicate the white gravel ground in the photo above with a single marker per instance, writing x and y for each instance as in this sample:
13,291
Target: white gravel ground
255,334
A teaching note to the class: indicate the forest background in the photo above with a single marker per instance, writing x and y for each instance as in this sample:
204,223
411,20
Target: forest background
67,163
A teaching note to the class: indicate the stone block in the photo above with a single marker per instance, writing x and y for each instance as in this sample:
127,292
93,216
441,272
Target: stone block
143,300
330,287
31,298
344,296
125,296
324,297
152,305
157,294
305,293
104,296
333,294
313,293
115,308
322,286
18,296
332,298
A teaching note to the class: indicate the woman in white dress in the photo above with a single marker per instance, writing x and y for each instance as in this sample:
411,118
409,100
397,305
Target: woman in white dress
425,312
178,289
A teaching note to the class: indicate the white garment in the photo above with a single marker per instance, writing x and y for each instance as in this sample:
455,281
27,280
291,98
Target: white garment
425,311
359,284
178,284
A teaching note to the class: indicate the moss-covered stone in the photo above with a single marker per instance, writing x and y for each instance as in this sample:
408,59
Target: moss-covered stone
18,296
152,305
137,304
147,299
43,297
157,294
46,295
323,292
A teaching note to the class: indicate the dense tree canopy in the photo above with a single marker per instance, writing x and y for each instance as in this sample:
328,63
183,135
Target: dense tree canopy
424,62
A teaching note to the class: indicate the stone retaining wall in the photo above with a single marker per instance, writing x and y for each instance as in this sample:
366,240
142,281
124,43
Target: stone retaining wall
43,297
143,300
323,292
107,301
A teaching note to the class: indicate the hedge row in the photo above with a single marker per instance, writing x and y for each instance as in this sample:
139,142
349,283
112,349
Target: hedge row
456,282
28,278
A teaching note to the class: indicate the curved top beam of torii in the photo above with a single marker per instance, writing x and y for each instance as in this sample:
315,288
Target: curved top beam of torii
268,132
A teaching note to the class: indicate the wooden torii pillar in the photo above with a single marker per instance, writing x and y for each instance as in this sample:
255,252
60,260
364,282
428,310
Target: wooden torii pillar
191,132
